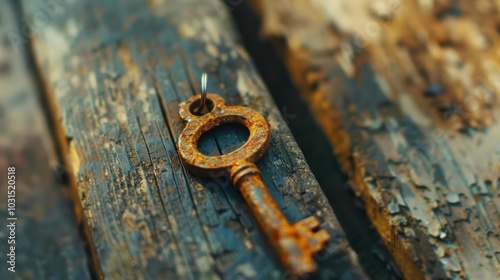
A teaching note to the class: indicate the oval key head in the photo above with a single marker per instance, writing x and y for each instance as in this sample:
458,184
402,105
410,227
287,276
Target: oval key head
217,113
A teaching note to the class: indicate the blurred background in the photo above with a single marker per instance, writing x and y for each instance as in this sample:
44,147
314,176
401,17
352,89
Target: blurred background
383,110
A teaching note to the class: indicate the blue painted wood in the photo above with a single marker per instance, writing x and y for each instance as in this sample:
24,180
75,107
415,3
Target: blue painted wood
115,72
425,167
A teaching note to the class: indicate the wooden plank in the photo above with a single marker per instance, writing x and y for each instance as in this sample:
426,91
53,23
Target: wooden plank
362,236
47,244
115,72
376,75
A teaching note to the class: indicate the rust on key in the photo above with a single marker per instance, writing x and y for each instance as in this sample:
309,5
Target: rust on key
297,243
218,113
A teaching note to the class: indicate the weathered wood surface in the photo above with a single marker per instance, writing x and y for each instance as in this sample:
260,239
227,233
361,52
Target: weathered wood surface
115,72
362,236
378,75
48,245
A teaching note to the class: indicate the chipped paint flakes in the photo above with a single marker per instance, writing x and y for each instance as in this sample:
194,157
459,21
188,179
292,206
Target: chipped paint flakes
204,263
410,107
121,114
393,207
247,270
212,50
92,80
433,227
187,30
453,198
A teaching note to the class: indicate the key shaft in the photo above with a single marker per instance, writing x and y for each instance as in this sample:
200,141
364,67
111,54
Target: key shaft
296,244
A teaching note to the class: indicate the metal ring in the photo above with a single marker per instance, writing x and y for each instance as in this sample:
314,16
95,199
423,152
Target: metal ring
203,98
204,165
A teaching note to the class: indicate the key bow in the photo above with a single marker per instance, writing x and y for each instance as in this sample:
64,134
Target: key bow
296,243
218,113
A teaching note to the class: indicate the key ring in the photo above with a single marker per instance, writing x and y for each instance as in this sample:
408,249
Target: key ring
219,113
203,98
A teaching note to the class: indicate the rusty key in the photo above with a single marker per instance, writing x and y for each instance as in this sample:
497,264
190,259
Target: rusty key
295,243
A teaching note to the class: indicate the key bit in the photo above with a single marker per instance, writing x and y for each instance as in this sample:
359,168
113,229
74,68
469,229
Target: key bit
295,243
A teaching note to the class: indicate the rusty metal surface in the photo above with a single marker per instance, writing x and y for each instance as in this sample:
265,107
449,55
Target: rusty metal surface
295,244
203,165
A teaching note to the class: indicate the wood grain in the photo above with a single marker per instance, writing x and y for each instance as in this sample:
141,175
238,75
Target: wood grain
48,244
429,180
115,72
